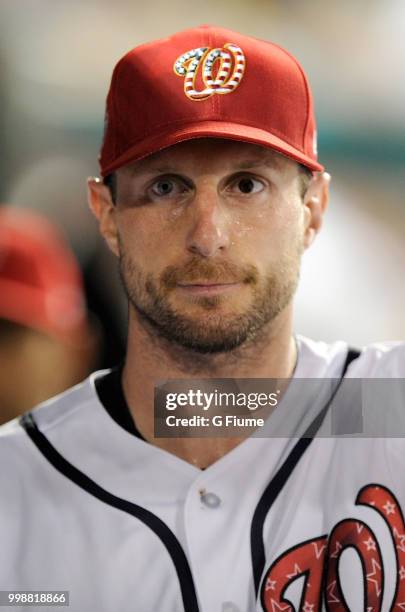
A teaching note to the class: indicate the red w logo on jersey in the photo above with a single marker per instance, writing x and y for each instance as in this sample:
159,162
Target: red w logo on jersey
317,561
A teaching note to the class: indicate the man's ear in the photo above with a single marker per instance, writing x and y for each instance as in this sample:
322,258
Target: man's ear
103,208
315,202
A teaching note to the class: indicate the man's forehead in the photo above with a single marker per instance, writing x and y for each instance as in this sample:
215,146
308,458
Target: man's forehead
230,153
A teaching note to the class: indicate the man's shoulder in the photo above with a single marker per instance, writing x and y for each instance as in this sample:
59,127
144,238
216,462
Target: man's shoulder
48,414
376,360
383,360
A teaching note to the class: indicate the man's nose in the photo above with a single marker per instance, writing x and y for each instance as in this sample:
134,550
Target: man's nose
209,230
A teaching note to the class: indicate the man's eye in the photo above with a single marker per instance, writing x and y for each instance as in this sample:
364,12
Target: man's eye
247,185
167,187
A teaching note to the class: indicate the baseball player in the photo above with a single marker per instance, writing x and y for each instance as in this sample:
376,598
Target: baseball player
211,192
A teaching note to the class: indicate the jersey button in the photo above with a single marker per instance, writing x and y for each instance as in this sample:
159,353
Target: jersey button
228,606
210,499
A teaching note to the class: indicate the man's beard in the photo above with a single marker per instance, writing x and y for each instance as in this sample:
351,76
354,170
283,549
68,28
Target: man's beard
211,331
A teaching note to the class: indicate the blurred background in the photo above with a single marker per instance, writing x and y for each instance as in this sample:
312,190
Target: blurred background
56,64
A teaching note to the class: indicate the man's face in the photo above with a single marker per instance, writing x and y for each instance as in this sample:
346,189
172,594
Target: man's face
210,212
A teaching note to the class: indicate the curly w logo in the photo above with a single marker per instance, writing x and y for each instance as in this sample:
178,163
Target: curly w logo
221,70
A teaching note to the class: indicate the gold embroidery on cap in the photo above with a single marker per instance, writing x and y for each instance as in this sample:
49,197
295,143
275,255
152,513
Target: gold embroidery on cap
230,71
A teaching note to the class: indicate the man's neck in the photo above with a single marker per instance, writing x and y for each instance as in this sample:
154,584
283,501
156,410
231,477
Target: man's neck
150,359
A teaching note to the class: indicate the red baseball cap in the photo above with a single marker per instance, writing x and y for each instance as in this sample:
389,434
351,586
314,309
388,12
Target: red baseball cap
40,281
208,82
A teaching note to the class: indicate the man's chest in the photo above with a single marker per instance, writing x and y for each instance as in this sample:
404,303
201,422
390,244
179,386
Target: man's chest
328,532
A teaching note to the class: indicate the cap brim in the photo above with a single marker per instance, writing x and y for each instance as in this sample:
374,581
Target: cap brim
210,129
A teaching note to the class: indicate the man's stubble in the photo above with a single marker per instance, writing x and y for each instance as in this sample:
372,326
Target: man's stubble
214,331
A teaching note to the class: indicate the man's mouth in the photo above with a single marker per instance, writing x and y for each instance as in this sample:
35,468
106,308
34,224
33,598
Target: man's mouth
203,288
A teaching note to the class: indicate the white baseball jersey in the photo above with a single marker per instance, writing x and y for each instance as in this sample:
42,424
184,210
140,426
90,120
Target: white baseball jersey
285,523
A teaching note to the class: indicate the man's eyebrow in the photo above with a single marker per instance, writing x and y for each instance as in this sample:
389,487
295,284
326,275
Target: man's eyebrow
144,169
258,162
